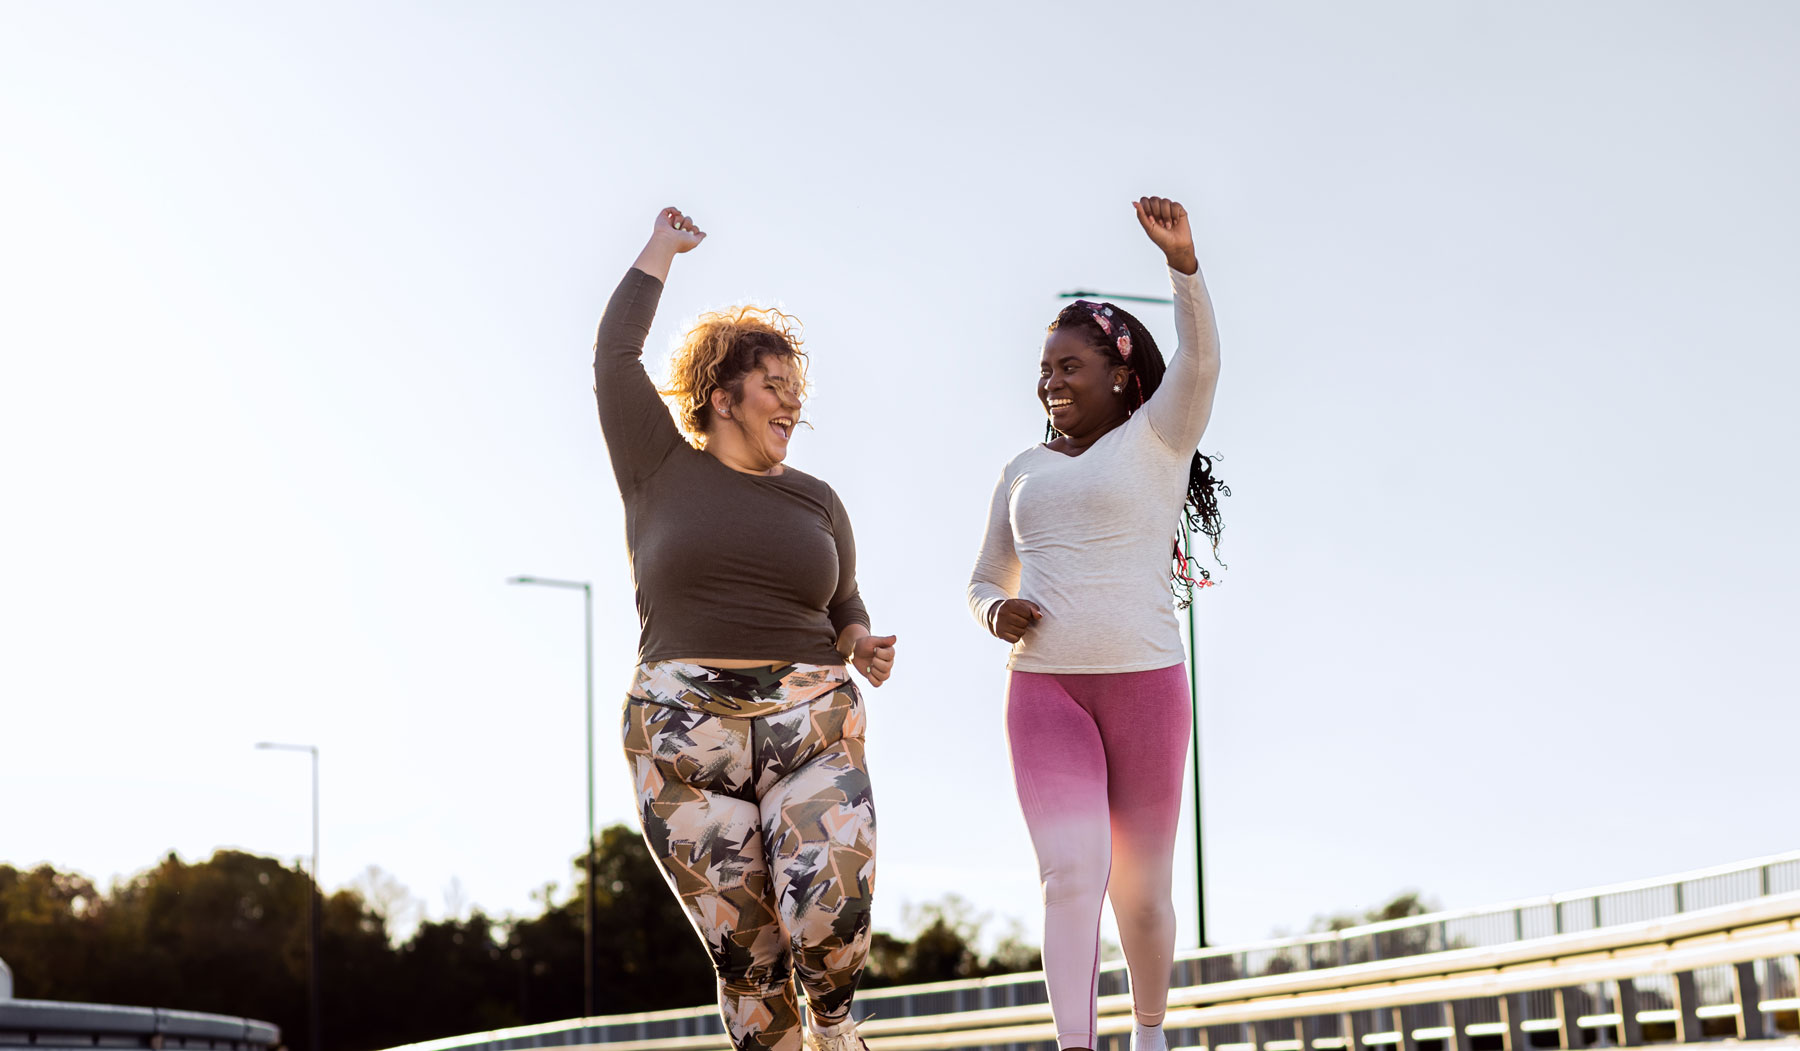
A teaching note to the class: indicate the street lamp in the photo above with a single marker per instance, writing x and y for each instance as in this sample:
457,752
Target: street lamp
1193,659
1194,692
1082,293
312,934
587,954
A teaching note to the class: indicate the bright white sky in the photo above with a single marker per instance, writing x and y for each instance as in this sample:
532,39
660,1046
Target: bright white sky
296,308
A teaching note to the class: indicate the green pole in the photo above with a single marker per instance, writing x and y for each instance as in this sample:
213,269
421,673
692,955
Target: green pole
587,949
1194,695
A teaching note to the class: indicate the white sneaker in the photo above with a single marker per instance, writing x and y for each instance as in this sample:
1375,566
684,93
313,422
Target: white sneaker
840,1037
1148,1037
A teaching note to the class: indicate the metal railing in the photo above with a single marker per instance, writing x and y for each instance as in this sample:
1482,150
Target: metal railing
1340,953
46,1025
1765,932
1593,908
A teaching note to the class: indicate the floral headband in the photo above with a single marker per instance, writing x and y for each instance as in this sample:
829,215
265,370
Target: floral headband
1114,327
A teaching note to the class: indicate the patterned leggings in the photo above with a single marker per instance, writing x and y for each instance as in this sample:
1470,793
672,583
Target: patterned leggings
755,800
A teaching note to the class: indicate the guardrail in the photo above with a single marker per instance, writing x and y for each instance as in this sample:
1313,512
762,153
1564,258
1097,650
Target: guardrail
1365,1005
1590,909
47,1025
1330,961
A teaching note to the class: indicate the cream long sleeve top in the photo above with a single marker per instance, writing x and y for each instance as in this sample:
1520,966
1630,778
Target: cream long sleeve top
1089,538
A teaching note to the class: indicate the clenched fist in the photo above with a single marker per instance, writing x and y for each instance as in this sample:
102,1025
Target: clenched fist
1166,222
677,230
1013,618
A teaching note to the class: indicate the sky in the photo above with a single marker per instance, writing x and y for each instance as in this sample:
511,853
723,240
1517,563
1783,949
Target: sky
296,308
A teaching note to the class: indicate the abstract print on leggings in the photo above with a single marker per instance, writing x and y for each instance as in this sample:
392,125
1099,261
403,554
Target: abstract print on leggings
755,800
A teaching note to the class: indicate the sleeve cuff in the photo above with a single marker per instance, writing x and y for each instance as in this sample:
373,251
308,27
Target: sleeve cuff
637,276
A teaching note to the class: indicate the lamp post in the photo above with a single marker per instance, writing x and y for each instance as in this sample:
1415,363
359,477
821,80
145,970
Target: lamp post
312,933
1082,293
587,952
1193,662
1194,692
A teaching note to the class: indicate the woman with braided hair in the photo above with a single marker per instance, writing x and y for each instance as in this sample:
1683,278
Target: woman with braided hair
742,727
1075,571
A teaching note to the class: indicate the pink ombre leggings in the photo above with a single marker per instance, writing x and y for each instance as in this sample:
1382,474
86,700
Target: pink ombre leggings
1098,763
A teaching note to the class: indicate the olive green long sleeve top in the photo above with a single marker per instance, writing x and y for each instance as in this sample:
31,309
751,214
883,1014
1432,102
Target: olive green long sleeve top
726,565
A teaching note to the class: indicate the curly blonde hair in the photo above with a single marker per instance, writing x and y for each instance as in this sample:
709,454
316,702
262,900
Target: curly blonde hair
721,348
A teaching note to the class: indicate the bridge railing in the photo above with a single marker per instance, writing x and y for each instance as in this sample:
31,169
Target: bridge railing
45,1025
1601,987
1329,960
1531,918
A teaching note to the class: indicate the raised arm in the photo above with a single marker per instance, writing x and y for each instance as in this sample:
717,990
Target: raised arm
639,431
1182,404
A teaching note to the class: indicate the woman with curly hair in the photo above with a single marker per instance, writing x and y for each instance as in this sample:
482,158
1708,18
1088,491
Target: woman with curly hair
743,728
1075,572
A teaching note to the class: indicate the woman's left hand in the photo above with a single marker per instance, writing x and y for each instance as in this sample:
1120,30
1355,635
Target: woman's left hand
874,657
1166,222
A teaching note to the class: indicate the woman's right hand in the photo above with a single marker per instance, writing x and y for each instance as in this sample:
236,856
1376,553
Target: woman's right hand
1014,617
676,230
673,234
1166,223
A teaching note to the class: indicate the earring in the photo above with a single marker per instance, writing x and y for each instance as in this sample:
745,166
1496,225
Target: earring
1118,389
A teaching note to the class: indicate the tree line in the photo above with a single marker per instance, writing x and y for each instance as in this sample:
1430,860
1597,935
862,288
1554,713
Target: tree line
229,935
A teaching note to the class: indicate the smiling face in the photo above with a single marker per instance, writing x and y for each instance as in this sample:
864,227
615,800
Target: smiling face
1075,385
761,420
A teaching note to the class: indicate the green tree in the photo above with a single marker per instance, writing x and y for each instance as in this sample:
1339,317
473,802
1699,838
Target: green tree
454,978
229,935
1400,906
648,951
226,935
945,945
50,920
1386,944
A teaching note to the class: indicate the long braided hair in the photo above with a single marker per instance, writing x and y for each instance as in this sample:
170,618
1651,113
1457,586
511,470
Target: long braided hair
1200,512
